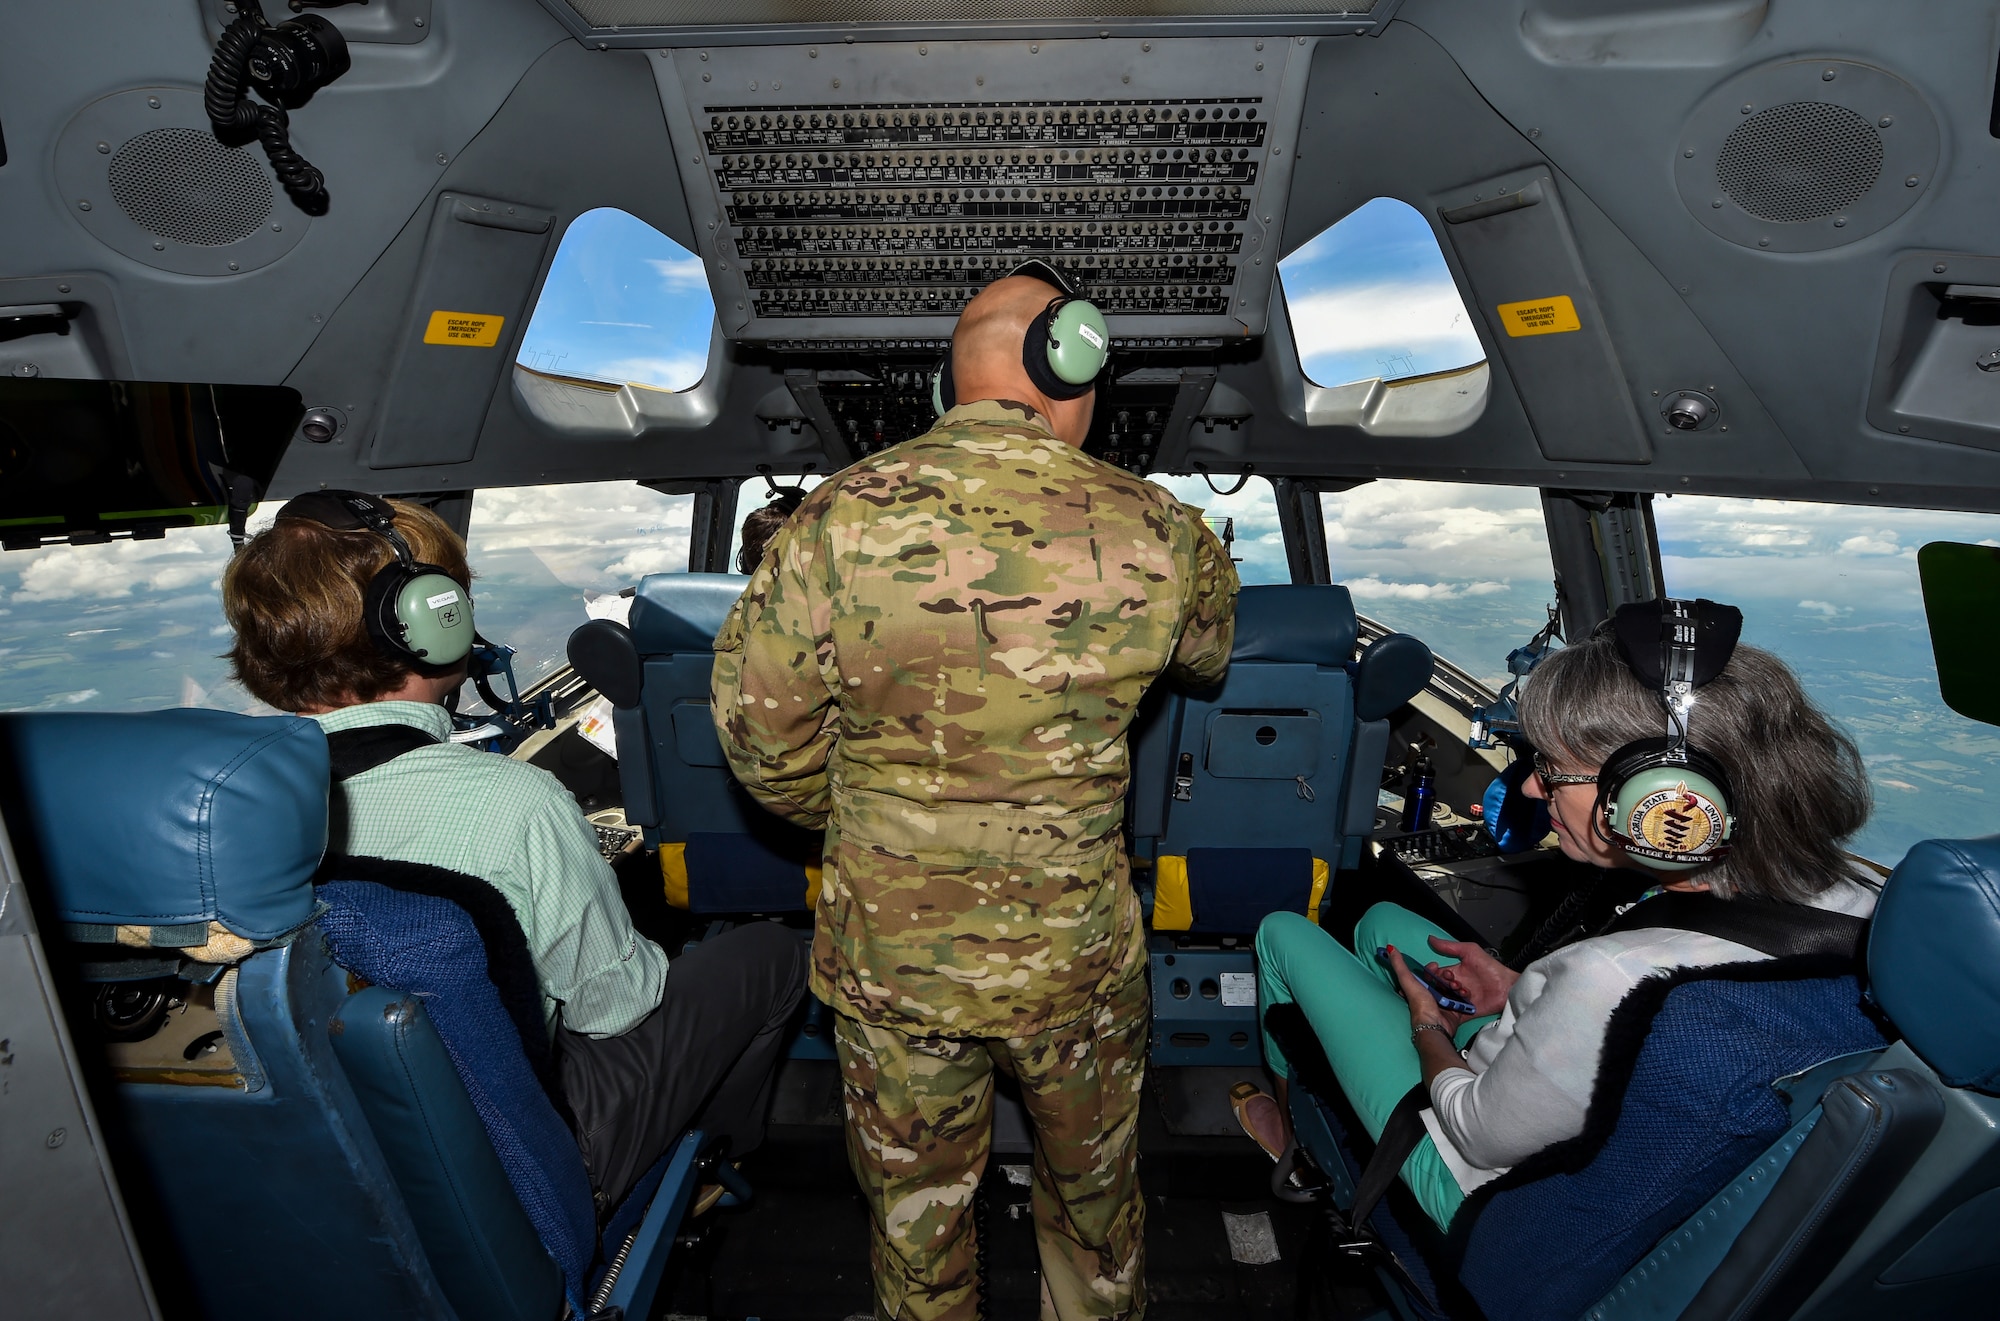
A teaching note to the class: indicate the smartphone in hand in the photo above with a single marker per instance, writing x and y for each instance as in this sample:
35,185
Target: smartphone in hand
1444,995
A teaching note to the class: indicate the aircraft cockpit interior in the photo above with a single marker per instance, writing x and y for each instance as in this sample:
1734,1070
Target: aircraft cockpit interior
1470,359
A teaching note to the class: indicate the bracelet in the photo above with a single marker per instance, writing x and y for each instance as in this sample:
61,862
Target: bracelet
1429,1027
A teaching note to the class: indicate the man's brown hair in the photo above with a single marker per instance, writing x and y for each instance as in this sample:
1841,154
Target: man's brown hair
294,596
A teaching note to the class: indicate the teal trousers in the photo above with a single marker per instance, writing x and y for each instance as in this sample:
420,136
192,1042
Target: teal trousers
1362,1023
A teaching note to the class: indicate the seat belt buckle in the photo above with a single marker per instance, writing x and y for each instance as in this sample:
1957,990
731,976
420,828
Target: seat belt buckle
1184,779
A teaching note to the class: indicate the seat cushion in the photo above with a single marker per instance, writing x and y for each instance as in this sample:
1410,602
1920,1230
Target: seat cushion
1230,891
1683,1103
167,821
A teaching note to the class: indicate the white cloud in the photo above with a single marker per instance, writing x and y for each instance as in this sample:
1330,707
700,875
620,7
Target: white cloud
1827,608
669,558
1366,588
186,557
1871,543
1382,317
1436,532
680,275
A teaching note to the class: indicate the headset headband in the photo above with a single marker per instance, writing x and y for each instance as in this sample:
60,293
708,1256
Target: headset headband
1037,269
1675,646
350,511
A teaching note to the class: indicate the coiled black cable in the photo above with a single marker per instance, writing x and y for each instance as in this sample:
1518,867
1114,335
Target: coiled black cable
237,119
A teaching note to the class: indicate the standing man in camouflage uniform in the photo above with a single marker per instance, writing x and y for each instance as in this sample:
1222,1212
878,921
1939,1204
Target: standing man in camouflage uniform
938,661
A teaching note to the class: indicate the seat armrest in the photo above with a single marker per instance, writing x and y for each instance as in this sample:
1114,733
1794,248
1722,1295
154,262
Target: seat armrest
602,651
1393,669
1872,1128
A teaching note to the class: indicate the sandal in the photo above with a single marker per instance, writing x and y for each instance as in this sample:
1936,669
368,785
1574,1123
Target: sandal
1240,1097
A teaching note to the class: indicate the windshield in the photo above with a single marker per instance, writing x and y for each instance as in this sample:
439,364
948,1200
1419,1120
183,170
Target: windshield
1464,568
1247,519
124,626
539,552
1833,590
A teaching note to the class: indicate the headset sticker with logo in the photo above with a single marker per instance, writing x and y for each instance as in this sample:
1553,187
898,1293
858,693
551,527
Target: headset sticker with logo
1675,820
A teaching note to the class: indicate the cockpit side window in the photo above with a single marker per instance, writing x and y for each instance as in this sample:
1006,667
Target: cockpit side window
1833,590
1466,568
543,553
623,304
1370,297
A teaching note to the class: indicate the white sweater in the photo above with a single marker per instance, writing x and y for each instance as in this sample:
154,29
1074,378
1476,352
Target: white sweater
1528,1075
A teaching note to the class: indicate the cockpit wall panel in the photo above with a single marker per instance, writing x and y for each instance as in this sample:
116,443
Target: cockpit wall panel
383,135
582,130
1619,99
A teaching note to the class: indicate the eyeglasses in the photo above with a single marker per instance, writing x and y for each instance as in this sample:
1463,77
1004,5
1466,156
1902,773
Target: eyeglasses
1551,780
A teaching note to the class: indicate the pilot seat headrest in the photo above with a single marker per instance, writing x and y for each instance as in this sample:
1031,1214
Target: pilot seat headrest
168,821
1303,623
681,612
1932,950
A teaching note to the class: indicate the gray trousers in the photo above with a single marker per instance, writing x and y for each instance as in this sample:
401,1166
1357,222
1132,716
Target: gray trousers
703,1059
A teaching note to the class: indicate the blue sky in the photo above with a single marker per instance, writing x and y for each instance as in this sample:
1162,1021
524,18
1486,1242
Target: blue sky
1832,589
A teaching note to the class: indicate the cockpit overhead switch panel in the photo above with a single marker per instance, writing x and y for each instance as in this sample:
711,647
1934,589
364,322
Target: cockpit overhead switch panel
865,192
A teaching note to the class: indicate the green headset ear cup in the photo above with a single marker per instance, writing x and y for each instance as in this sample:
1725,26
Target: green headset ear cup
421,614
937,388
1668,816
1079,341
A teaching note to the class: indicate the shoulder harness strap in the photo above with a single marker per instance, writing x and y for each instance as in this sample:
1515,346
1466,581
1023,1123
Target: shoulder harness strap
1780,930
356,750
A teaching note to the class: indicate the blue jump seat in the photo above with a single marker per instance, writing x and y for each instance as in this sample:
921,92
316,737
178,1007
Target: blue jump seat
1858,1186
719,851
1249,797
354,1125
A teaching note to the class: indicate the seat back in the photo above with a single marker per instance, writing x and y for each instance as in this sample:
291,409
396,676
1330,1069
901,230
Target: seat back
719,851
248,1098
1250,795
1887,1207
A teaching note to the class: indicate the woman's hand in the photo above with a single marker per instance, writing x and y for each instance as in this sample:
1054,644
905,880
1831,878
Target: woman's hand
1435,1051
1480,979
1424,1007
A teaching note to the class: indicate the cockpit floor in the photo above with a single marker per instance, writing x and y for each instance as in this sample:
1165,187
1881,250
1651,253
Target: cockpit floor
799,1252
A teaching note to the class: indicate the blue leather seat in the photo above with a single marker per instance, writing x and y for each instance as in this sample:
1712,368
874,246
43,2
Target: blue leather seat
1880,1200
1250,796
719,851
307,1136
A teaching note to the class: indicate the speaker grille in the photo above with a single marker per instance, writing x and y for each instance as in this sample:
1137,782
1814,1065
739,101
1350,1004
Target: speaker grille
181,184
1799,161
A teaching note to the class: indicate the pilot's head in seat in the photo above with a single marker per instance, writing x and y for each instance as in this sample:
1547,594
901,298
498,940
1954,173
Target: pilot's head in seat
356,611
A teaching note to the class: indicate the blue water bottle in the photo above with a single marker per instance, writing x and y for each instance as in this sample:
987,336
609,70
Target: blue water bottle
1419,796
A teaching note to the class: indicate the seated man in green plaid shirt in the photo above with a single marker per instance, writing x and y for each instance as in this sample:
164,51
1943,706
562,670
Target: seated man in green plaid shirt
646,1049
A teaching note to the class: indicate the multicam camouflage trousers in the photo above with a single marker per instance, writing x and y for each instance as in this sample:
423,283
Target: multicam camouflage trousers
919,1129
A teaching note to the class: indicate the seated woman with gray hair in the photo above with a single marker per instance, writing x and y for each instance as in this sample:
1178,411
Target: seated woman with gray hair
1663,746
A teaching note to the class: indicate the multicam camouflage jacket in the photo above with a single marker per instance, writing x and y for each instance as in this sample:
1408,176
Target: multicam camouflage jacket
938,660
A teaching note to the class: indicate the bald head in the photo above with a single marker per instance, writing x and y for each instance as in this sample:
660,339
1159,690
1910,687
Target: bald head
986,354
